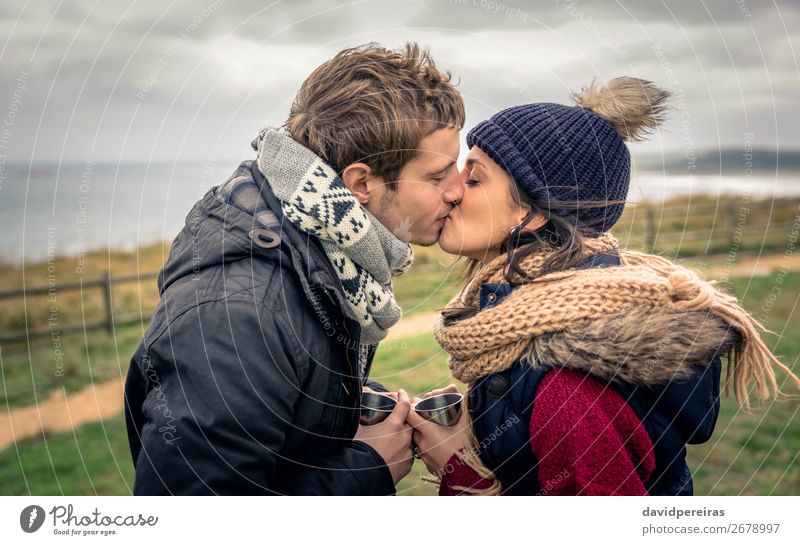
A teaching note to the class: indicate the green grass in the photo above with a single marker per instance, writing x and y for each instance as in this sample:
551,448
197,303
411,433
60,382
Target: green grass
427,288
774,300
92,460
30,373
748,454
759,453
416,364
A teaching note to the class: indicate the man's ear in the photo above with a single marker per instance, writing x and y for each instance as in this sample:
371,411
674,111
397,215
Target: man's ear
358,178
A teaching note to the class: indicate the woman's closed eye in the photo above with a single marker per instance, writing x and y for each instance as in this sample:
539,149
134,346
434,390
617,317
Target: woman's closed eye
472,182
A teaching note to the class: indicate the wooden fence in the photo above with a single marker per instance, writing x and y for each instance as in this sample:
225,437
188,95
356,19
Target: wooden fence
105,283
728,232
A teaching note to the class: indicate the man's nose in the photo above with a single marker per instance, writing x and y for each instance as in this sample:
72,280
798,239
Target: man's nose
453,189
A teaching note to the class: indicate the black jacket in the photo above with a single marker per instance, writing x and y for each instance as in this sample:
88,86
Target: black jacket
246,381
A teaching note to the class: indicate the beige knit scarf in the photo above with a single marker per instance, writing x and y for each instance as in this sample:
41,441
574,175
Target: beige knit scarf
495,338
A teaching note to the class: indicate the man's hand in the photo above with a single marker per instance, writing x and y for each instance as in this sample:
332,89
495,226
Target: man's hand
450,389
392,438
435,443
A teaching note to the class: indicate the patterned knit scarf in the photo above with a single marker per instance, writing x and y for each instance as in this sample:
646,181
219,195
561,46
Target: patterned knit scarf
495,338
364,253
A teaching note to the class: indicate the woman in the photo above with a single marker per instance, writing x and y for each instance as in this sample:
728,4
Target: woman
589,368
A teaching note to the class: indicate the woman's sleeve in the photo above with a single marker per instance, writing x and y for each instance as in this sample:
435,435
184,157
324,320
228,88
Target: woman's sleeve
458,473
587,439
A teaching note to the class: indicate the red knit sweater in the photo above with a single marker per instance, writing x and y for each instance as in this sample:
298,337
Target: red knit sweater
588,441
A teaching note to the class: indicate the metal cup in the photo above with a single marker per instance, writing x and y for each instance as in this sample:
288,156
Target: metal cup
443,409
375,408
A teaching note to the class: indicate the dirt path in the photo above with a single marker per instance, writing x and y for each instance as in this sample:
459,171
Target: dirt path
761,266
412,326
60,412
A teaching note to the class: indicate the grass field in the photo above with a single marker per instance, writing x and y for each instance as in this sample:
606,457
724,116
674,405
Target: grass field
753,453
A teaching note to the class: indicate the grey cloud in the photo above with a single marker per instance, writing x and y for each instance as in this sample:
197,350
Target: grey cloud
477,15
210,101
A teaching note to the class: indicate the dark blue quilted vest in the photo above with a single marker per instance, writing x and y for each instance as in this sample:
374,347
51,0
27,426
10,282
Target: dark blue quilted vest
674,414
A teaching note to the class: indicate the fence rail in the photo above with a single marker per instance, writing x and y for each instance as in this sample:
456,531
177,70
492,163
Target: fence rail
106,283
653,216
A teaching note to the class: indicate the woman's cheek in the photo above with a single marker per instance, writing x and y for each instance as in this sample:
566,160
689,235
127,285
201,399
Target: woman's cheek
451,236
495,237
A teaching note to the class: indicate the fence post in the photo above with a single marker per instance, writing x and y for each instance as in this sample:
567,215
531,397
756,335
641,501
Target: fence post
651,230
107,300
731,224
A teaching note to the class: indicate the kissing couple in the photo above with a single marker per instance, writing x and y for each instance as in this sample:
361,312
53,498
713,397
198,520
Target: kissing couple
586,368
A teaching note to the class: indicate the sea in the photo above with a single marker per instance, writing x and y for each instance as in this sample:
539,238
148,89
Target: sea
73,208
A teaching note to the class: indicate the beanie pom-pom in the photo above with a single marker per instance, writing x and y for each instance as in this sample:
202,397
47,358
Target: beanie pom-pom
635,107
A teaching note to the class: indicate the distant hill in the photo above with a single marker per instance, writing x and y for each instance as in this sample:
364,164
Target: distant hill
726,160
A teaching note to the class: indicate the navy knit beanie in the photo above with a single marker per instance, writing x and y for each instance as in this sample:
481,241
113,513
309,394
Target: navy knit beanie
575,154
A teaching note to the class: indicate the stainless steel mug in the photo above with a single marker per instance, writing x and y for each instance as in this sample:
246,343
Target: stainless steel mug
443,409
375,408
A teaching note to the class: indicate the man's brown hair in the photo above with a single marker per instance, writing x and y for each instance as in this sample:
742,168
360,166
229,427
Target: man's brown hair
373,105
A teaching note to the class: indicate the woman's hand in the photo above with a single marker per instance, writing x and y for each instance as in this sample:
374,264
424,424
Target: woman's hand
435,443
393,395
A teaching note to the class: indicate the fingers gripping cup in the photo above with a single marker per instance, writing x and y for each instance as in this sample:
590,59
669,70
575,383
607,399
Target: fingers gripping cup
442,409
375,408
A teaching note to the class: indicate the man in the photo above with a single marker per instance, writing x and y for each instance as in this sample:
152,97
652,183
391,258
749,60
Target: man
278,289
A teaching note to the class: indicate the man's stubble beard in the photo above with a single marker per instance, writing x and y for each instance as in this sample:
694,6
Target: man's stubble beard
401,222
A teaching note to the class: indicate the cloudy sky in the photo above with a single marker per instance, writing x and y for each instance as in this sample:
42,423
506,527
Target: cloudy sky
124,80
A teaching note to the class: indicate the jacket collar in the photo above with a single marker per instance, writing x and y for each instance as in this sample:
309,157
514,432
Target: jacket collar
493,294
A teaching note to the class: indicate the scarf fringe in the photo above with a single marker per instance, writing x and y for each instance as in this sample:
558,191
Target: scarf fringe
470,457
752,362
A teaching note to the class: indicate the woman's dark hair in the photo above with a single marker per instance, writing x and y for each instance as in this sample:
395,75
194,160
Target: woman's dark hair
559,233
